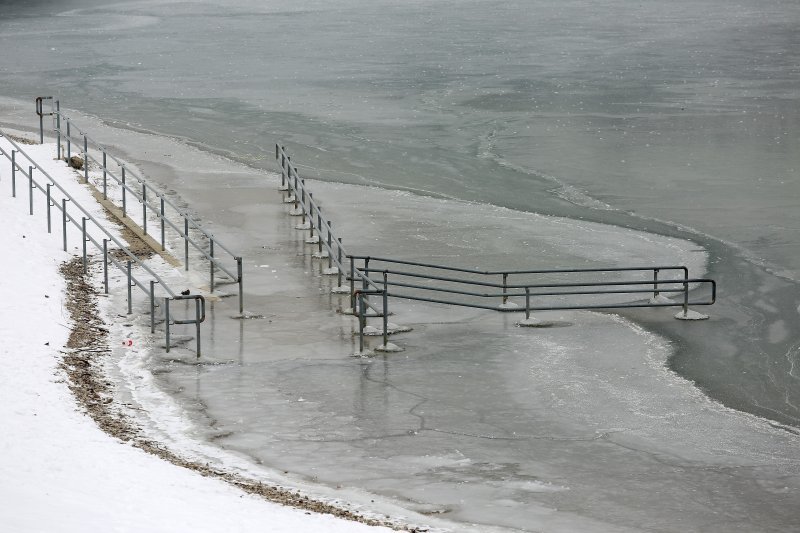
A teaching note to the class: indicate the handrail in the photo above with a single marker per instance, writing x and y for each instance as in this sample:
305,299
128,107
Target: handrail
87,237
72,132
305,205
543,271
74,202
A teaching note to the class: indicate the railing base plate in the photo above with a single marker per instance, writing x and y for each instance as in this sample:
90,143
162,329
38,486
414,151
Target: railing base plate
534,323
691,315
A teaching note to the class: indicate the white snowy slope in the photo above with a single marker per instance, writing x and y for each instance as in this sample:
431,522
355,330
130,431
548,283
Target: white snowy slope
58,471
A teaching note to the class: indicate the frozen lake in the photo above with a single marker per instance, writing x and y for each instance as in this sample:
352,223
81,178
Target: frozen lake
646,132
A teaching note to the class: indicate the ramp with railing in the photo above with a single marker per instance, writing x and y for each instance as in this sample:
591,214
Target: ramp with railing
129,186
94,233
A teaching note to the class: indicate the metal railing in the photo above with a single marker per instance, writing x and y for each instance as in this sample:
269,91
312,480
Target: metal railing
133,185
81,222
473,288
321,234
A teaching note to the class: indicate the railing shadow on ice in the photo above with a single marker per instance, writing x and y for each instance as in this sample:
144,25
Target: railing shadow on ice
476,289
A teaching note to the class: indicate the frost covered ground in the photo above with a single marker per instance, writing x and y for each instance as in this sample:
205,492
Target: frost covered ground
58,471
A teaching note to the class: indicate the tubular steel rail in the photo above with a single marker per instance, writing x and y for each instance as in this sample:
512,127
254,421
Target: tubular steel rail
432,283
139,189
328,245
125,266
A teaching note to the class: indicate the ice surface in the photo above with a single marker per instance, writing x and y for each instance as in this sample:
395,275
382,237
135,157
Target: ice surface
585,405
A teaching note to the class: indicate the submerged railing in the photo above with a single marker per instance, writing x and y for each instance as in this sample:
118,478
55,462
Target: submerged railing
448,285
16,156
132,185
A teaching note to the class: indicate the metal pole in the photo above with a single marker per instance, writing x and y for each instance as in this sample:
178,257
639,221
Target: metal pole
360,323
364,279
527,303
40,112
14,173
152,306
130,288
385,310
64,220
330,249
30,190
163,242
685,293
166,320
186,242
144,208
352,284
303,202
311,215
655,283
85,160
58,130
339,260
105,266
49,217
69,143
505,296
124,204
211,253
105,176
319,231
241,285
83,232
197,324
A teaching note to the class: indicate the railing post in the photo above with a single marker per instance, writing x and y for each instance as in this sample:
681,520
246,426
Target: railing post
310,216
527,303
58,130
339,263
186,242
505,295
239,273
144,208
385,311
352,284
69,143
152,306
330,249
166,321
361,321
197,324
211,253
64,220
163,241
31,186
83,232
40,112
130,290
319,231
105,175
685,293
14,173
124,196
85,159
303,203
49,217
105,266
655,283
364,285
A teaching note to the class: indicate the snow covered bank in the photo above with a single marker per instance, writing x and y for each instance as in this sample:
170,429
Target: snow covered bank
59,471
